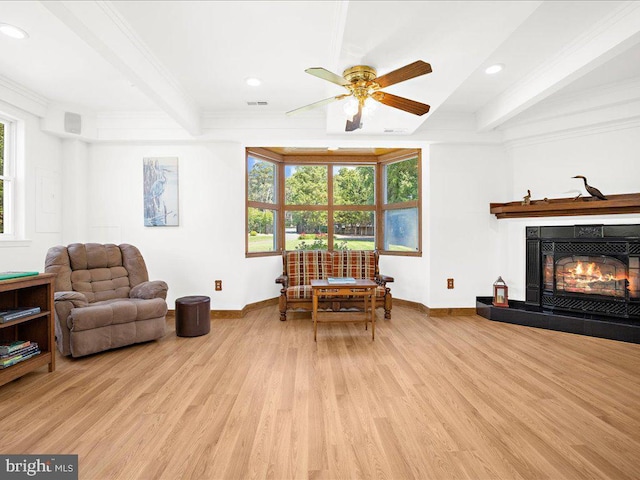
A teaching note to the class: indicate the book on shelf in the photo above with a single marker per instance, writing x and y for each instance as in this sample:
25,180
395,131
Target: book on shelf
33,346
15,313
8,275
8,362
339,280
10,347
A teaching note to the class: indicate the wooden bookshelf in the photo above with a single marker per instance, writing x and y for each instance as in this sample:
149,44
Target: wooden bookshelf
32,291
563,207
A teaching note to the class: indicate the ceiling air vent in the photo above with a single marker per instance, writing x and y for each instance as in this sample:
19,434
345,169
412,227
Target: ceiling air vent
257,104
395,130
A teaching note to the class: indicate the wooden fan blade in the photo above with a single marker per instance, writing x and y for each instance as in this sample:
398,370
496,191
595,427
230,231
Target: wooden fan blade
327,75
356,122
317,104
402,103
412,70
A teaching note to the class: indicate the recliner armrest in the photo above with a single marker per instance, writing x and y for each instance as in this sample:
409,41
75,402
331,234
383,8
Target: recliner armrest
385,279
283,279
64,302
77,299
151,289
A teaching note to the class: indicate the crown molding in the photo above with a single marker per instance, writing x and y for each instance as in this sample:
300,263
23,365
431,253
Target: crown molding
613,94
23,98
573,132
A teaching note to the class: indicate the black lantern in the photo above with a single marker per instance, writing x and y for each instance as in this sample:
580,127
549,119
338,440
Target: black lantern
500,293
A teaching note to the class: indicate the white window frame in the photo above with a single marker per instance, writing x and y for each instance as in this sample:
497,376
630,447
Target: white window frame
12,175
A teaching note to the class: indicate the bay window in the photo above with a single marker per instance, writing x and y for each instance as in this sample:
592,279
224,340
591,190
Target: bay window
333,202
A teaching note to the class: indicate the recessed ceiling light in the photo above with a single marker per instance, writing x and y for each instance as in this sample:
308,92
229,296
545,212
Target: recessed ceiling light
494,69
13,31
253,82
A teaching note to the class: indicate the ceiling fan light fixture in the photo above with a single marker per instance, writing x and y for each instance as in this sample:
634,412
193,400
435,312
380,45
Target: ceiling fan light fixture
13,31
370,106
493,69
351,107
253,81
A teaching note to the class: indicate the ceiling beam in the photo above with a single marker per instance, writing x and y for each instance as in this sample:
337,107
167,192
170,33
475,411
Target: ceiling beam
101,26
608,38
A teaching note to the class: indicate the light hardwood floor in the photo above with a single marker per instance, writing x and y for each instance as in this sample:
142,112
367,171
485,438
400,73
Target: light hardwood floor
431,398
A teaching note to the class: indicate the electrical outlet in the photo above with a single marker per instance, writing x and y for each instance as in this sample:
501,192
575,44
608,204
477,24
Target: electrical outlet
450,283
218,285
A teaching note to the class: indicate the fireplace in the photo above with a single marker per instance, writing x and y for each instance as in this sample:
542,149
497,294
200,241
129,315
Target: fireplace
585,269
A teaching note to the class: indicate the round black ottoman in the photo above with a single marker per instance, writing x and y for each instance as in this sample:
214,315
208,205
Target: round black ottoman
193,316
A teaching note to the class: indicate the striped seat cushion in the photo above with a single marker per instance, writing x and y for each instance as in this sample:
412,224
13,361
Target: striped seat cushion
354,263
302,266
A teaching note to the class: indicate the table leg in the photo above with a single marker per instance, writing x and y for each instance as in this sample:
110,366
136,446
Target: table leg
366,311
315,315
373,314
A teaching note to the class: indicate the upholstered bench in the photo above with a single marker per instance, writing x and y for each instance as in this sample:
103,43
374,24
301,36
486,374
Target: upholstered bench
302,266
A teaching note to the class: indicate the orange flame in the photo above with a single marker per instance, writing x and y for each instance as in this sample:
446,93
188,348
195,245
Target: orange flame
586,274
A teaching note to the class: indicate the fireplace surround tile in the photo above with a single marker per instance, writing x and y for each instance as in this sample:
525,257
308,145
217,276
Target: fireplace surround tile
519,313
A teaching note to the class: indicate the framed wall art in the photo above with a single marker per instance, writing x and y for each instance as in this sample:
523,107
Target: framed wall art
160,177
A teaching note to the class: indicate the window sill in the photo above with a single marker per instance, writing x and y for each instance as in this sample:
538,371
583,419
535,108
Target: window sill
7,242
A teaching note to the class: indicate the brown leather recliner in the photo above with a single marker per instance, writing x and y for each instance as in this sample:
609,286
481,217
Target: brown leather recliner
103,298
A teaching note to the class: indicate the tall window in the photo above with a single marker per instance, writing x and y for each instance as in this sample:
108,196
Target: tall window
306,198
354,216
6,179
262,205
333,202
401,206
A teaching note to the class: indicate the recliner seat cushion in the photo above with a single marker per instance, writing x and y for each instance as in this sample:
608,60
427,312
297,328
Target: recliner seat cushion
112,312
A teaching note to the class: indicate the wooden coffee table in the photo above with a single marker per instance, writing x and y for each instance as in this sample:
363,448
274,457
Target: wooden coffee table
361,288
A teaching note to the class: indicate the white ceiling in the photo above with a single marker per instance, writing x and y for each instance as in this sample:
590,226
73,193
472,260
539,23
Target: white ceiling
190,58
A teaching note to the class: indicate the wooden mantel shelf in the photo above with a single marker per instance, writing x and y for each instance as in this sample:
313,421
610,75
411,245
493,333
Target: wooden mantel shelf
562,207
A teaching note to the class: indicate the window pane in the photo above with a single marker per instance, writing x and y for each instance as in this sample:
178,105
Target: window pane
1,181
262,181
401,180
305,185
401,230
353,185
354,230
262,225
1,148
1,206
306,230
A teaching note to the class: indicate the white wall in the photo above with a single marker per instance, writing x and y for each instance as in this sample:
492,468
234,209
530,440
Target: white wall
461,239
209,243
464,241
39,193
76,192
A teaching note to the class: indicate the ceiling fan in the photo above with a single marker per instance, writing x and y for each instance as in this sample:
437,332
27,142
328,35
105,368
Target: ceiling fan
363,83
